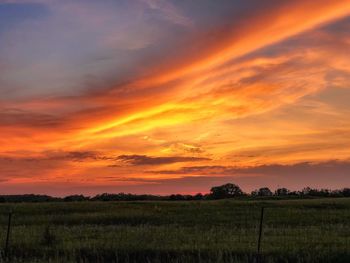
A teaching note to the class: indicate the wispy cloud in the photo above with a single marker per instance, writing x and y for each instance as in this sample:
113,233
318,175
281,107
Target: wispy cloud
169,11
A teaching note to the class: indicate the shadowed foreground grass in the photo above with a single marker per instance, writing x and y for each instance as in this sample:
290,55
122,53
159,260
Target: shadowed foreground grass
204,231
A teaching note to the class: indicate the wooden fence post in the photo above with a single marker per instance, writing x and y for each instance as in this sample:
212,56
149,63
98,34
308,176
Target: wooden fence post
8,234
260,234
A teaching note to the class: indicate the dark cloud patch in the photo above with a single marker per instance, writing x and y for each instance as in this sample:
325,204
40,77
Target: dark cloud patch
43,164
74,156
332,174
81,156
17,117
77,156
151,160
322,168
17,167
209,170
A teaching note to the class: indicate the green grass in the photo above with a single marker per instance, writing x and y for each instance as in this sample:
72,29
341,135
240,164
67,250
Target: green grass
316,230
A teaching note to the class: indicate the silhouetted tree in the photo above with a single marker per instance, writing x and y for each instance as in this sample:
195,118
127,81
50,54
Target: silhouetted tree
323,192
336,193
198,196
127,197
30,198
218,192
282,192
307,191
226,191
264,191
346,192
254,192
294,193
177,197
75,198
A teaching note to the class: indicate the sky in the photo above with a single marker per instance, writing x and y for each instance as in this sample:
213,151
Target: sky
165,96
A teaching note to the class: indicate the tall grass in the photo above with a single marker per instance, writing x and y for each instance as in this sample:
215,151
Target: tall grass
198,231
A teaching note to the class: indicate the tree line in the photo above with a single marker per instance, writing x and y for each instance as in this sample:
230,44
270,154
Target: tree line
228,190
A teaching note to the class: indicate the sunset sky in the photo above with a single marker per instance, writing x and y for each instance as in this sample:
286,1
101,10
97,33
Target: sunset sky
165,96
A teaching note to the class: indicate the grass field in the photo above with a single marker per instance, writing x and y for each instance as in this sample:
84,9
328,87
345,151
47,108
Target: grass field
316,230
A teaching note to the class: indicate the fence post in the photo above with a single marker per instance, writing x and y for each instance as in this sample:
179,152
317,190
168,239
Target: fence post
8,234
260,234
